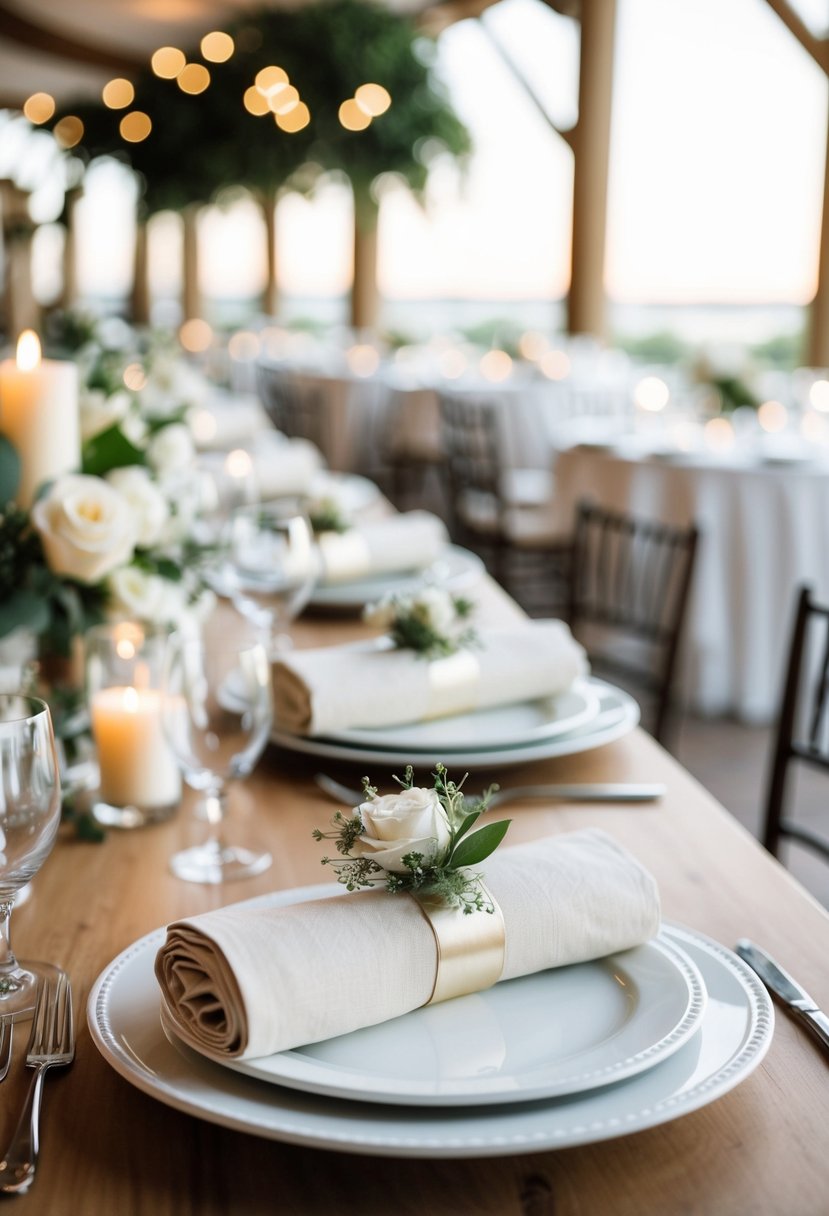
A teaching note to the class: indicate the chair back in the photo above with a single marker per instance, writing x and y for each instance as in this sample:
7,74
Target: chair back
802,729
469,430
295,408
630,578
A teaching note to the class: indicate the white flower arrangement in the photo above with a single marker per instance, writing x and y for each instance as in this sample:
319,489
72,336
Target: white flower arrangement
431,622
419,840
115,538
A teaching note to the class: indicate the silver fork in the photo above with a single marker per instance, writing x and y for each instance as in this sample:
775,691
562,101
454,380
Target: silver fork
51,1044
581,792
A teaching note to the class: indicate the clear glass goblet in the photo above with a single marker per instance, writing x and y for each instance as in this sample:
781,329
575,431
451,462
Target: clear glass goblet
217,711
30,805
273,565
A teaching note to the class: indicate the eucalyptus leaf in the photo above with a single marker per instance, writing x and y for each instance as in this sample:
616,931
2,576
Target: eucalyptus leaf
480,844
9,471
23,609
469,822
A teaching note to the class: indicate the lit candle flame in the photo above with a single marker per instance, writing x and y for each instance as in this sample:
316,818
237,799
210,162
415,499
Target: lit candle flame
28,351
130,700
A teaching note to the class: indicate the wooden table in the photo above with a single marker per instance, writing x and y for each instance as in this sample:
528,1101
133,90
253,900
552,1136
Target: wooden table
110,1150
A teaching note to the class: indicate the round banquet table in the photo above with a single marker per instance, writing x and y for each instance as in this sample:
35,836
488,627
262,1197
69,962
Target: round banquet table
764,530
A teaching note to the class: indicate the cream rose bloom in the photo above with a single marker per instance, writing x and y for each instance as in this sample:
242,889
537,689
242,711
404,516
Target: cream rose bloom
149,506
171,449
99,412
435,608
86,528
412,821
136,593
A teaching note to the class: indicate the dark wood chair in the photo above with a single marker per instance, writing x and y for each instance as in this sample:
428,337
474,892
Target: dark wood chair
802,731
504,514
296,409
628,590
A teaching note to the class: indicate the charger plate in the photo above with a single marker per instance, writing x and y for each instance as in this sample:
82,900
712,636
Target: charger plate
736,1031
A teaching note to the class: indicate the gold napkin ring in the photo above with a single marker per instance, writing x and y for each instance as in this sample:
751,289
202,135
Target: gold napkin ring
470,947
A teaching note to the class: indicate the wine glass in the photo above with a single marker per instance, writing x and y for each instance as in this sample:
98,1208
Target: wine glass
217,713
30,806
273,565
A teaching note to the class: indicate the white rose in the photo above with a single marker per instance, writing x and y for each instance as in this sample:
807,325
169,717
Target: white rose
98,412
86,528
435,607
149,506
412,821
171,449
136,593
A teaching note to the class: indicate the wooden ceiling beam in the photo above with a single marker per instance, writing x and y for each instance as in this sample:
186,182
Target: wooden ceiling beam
818,48
46,41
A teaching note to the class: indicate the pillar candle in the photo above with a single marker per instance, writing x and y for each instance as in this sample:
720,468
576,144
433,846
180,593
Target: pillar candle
39,415
137,766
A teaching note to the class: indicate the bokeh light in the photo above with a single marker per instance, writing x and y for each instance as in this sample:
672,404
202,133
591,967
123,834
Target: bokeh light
284,99
135,377
773,416
118,93
363,360
533,345
719,435
555,364
243,346
819,395
39,107
295,119
352,117
195,335
372,99
168,62
217,47
255,102
135,126
193,78
651,394
69,131
269,79
495,365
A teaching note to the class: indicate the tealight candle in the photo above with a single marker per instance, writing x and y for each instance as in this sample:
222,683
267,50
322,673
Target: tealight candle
39,415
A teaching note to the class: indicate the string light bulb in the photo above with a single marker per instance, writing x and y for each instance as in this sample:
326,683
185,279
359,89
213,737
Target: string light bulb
270,79
352,117
373,99
217,47
284,100
255,102
167,62
39,107
135,126
69,131
117,94
295,120
193,78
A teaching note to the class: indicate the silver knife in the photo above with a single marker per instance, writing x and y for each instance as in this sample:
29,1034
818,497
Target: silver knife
787,989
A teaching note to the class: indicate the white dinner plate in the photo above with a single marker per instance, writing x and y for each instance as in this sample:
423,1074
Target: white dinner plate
618,714
736,1031
455,570
558,1032
502,726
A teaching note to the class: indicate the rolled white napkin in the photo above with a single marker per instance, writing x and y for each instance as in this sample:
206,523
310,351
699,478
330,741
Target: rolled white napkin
369,684
244,982
285,466
408,541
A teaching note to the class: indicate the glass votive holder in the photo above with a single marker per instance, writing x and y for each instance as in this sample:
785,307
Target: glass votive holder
140,781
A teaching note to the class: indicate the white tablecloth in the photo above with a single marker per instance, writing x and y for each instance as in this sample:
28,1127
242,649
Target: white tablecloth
764,530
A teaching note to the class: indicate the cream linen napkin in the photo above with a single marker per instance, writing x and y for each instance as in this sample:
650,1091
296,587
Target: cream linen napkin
408,541
369,684
287,466
245,982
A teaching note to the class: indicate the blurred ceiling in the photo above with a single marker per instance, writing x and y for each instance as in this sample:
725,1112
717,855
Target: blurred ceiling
71,49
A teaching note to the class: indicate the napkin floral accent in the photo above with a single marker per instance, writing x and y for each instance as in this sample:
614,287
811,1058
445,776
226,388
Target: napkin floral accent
432,622
419,840
325,515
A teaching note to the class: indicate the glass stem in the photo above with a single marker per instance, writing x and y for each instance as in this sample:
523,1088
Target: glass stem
8,963
215,805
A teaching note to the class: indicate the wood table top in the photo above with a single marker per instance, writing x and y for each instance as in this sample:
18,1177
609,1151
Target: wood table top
108,1148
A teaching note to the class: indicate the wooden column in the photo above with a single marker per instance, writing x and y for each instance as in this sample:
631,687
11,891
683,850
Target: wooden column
69,289
191,299
817,351
20,309
270,296
140,294
365,296
586,301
